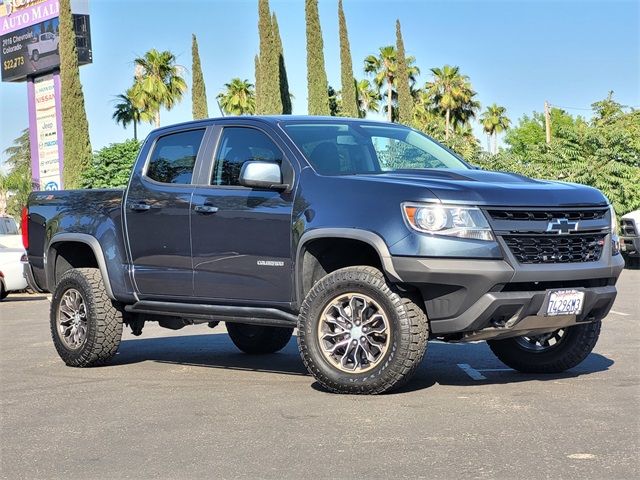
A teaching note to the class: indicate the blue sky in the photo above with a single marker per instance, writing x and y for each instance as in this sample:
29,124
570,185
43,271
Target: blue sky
517,53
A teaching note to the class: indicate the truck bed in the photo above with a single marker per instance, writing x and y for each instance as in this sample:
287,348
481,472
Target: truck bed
93,212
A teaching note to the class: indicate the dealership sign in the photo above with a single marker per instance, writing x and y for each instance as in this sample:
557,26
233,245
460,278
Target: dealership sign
30,36
47,133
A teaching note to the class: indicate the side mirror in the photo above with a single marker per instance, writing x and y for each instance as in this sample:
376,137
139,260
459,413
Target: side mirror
262,175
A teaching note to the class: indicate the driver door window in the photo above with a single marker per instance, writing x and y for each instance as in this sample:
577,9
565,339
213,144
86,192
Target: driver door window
237,146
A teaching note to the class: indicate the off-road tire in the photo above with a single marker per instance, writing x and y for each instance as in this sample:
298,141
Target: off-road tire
104,319
408,324
577,343
3,291
35,56
259,339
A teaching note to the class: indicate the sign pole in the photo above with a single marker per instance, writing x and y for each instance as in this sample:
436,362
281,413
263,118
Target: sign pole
33,135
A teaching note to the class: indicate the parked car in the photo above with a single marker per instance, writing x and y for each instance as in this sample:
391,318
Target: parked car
630,236
9,233
45,43
12,261
369,237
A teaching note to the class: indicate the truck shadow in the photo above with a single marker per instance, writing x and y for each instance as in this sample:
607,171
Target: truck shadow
13,298
440,365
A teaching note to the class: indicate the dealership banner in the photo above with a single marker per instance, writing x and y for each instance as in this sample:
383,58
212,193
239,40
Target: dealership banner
46,126
18,14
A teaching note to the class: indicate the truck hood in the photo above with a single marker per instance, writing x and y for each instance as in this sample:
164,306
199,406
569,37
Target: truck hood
480,187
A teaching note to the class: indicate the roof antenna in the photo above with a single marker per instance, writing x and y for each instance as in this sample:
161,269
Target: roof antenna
219,107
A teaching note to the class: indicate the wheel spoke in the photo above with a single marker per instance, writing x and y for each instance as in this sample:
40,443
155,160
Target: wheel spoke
338,345
344,315
350,348
365,347
332,335
374,318
338,321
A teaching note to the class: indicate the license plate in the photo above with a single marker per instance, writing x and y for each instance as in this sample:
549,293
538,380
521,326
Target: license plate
565,302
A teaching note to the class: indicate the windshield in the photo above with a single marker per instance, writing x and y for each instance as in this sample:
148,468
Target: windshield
360,148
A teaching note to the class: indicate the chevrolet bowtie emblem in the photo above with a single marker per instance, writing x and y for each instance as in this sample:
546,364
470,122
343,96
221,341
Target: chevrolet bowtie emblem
561,225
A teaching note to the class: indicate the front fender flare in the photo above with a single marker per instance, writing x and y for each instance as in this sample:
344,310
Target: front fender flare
366,236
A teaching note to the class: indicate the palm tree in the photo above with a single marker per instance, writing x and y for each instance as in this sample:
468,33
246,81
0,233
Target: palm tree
384,67
451,91
126,112
494,121
368,98
18,177
158,83
239,97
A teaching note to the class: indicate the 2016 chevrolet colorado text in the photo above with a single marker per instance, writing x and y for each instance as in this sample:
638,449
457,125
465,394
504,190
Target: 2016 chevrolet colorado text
368,237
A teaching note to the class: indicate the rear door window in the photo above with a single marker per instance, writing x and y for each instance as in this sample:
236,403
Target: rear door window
174,157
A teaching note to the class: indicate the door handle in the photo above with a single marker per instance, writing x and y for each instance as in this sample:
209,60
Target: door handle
139,207
206,209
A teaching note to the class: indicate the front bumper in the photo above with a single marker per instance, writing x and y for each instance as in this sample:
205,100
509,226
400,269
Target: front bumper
630,246
498,298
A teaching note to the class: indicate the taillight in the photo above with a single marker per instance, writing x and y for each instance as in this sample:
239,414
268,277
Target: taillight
24,224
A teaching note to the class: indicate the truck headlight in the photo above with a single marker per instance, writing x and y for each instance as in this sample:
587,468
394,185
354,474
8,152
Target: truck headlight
453,221
614,220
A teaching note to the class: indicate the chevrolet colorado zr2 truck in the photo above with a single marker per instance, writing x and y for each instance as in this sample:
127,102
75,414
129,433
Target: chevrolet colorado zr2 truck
369,238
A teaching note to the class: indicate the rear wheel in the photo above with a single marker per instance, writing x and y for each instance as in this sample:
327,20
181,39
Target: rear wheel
3,291
357,334
552,352
86,326
259,339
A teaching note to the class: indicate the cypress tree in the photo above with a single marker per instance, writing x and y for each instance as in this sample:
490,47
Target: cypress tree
199,91
258,84
270,101
75,128
285,97
405,101
349,96
317,84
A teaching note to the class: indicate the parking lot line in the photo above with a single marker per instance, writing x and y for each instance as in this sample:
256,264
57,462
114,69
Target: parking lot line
472,372
619,313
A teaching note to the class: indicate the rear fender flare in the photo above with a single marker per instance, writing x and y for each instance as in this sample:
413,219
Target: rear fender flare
91,242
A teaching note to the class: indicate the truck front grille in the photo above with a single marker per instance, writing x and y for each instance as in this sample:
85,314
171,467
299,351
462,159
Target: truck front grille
628,228
556,248
542,215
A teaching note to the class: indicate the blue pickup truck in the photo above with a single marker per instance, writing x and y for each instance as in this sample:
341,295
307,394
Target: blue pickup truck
368,237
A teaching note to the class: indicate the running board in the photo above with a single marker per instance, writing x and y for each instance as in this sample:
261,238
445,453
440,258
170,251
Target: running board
208,313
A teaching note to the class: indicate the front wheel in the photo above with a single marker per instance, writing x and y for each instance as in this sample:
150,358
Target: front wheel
552,352
86,326
357,334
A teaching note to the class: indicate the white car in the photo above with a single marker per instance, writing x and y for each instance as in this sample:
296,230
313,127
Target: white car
12,262
46,43
630,235
9,235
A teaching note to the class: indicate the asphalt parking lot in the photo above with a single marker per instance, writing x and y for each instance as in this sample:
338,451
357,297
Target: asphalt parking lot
187,404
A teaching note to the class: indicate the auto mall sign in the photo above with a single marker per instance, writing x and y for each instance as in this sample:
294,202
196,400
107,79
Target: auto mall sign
17,14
